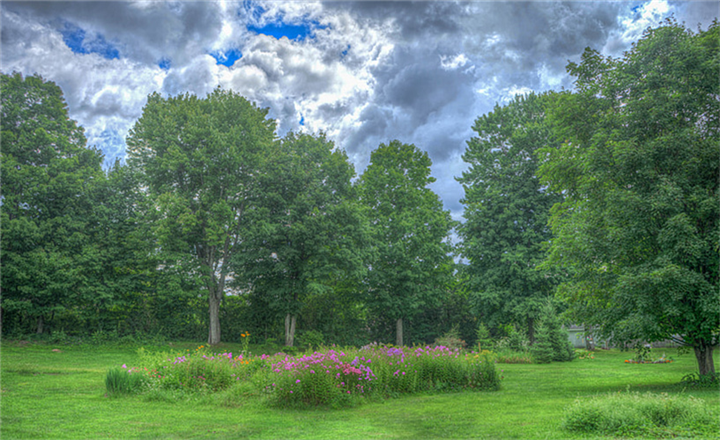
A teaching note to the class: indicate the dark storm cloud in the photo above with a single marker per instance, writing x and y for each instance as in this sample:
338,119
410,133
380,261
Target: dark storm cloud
412,19
144,32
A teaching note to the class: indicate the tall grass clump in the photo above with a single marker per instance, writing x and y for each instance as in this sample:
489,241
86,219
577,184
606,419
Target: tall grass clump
200,371
634,414
121,381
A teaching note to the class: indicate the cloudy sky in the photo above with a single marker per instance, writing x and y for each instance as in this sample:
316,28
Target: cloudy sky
363,72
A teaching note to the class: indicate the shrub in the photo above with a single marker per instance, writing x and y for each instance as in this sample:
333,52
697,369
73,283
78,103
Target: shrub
484,341
312,338
695,380
451,339
551,340
633,414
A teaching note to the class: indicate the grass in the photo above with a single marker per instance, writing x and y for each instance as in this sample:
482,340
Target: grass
46,394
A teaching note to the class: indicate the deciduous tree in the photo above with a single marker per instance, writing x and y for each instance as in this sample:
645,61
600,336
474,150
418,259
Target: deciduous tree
506,212
639,227
412,261
305,231
48,177
201,159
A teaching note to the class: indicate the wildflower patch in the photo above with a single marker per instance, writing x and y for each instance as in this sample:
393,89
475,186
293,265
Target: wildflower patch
330,377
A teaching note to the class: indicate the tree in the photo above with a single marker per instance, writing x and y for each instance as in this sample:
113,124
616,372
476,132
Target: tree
305,230
48,177
638,230
506,212
553,343
410,234
200,160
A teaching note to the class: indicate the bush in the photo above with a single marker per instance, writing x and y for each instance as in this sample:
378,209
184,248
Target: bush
312,338
695,380
451,339
633,414
484,341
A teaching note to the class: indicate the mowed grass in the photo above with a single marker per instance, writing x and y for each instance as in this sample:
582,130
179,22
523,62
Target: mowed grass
46,394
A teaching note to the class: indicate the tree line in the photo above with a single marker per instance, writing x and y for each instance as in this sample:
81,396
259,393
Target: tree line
602,201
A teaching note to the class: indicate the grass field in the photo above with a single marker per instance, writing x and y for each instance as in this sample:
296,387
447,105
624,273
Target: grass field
56,395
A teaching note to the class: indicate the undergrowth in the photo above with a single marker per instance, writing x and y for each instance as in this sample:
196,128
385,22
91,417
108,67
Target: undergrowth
632,414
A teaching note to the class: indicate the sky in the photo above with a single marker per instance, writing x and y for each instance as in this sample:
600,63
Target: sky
365,73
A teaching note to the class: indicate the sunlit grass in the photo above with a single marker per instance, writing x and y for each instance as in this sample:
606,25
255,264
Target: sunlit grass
47,394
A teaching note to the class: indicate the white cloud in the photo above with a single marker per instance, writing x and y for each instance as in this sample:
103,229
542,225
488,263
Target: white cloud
369,73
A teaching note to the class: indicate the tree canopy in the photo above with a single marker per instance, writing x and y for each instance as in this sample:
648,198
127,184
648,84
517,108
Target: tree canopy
49,178
305,228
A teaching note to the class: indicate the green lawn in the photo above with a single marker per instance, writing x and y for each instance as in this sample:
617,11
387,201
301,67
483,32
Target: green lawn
46,394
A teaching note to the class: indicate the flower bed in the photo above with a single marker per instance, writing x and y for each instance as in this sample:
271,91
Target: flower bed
327,377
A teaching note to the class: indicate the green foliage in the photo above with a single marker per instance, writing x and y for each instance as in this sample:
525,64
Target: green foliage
642,415
695,380
199,159
506,212
484,342
329,377
542,350
451,339
411,264
551,340
638,230
514,357
49,178
312,338
121,381
305,233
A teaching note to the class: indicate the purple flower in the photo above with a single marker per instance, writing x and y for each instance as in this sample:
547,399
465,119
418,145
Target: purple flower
124,366
297,381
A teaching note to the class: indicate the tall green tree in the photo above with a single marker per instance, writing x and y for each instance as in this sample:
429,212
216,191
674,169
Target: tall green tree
48,177
305,231
506,212
200,160
412,262
639,227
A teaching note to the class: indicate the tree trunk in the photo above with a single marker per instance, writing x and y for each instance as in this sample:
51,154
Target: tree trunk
703,354
214,334
399,333
289,329
40,323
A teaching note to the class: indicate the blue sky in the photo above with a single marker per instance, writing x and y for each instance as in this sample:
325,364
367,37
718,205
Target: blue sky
362,72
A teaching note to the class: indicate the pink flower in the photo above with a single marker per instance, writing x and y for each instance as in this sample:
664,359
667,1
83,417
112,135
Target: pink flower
297,381
124,366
